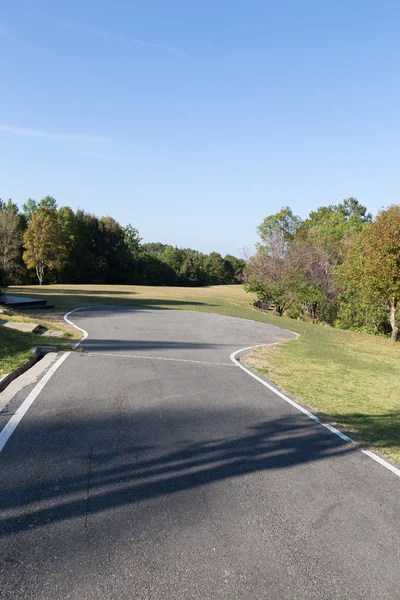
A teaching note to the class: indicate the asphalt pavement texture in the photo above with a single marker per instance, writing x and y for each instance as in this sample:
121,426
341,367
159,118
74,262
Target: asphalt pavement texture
151,467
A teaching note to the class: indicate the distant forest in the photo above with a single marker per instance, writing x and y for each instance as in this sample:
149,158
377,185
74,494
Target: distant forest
45,243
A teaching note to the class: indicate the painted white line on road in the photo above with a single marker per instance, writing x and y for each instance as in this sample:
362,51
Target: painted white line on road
9,429
184,360
85,333
309,414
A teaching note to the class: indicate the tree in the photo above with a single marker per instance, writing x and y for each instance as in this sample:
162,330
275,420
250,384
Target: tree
278,230
290,271
270,278
315,287
48,202
10,241
154,247
354,212
115,252
328,226
44,243
132,239
214,267
372,262
296,281
150,270
29,208
270,273
174,257
87,253
192,272
9,205
75,242
234,268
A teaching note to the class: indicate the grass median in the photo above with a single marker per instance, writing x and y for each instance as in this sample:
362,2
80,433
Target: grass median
350,379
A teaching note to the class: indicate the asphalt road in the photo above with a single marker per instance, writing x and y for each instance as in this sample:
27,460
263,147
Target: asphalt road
139,473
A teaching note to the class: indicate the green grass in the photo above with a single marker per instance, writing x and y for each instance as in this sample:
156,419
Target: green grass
351,379
16,347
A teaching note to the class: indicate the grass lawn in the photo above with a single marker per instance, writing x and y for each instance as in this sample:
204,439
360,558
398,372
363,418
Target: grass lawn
16,346
223,299
350,379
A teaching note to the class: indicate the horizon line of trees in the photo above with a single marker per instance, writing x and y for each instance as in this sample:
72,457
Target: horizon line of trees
57,245
339,266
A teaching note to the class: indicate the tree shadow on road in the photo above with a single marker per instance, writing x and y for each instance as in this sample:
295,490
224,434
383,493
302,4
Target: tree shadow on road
381,429
98,346
88,466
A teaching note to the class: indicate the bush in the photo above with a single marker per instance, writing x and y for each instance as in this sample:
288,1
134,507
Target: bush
357,314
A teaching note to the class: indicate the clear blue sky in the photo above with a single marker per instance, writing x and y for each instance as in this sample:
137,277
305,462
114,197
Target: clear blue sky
194,119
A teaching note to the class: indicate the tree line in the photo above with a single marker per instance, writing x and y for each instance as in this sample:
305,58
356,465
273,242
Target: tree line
51,244
339,266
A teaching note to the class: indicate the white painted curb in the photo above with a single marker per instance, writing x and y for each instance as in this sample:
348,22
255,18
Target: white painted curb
85,333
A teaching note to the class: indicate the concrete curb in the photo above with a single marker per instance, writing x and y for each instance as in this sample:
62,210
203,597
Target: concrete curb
38,353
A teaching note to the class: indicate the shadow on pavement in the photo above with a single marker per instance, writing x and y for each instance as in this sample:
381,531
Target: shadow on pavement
87,466
98,346
65,299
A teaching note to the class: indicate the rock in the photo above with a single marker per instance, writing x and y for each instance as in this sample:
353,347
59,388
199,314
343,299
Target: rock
21,326
52,333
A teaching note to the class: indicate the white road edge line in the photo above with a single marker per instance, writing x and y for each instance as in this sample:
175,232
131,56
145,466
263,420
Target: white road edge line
184,360
12,424
309,414
85,333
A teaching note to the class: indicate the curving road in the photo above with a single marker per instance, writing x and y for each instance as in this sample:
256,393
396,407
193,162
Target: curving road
151,467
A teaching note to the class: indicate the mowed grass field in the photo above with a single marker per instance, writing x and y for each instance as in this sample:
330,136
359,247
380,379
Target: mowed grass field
350,379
